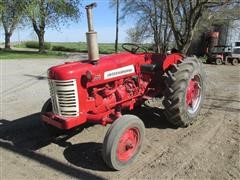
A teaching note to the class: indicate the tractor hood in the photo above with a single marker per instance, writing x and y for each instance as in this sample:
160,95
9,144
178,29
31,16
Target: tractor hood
74,70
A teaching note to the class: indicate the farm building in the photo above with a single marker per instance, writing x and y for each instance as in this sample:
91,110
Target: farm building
227,34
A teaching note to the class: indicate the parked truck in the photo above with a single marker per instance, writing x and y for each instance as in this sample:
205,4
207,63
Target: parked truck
224,54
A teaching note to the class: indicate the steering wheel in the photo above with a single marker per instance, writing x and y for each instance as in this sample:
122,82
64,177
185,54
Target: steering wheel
132,48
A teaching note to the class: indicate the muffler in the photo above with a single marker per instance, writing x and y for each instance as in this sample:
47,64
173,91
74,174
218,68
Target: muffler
93,51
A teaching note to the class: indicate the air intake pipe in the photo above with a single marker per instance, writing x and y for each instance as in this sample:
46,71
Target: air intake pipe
93,51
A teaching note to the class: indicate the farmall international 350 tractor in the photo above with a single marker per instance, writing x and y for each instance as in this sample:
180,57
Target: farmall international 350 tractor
98,89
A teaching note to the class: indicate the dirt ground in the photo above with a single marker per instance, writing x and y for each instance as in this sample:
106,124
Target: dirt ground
208,149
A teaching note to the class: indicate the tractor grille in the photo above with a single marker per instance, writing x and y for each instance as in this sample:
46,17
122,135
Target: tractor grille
64,97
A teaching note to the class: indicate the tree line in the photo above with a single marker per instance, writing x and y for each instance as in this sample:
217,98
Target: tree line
176,21
41,14
162,21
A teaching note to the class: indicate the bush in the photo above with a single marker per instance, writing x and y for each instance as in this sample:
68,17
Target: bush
35,45
106,51
63,48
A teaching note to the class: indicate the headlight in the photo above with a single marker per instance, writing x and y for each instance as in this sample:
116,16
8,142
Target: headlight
50,74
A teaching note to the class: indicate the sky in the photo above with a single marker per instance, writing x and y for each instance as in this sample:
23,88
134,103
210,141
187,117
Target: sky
104,23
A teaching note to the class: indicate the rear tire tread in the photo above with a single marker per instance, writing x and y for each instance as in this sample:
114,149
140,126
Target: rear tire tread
174,93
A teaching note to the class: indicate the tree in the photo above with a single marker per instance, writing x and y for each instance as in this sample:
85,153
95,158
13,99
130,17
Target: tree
151,19
136,34
11,14
222,19
1,6
162,19
51,13
185,15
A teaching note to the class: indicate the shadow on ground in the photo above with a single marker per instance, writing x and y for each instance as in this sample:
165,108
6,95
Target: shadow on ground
86,155
38,77
26,135
153,117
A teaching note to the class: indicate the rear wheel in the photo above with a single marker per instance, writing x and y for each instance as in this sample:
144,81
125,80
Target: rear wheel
53,131
123,142
185,91
234,62
218,61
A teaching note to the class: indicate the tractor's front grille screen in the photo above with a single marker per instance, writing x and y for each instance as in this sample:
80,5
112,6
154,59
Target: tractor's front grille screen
64,97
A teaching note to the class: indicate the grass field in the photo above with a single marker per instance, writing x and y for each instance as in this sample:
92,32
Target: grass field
104,48
57,49
15,54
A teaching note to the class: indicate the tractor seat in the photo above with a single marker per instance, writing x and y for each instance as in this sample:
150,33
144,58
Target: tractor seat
149,68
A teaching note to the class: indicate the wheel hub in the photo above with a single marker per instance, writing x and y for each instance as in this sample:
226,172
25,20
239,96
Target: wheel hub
128,144
193,96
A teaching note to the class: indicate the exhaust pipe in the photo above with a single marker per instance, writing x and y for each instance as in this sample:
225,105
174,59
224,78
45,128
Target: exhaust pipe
93,51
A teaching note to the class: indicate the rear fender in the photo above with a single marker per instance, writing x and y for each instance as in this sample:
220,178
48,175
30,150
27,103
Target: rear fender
172,59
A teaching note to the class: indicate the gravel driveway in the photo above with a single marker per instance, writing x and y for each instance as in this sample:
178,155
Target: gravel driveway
207,149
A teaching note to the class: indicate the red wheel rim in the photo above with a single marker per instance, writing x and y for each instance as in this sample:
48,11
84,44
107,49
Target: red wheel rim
193,96
128,144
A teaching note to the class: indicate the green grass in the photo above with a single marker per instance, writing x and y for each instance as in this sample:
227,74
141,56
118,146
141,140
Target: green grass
15,54
104,48
81,47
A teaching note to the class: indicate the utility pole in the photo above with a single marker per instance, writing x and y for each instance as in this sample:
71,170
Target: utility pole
117,22
19,42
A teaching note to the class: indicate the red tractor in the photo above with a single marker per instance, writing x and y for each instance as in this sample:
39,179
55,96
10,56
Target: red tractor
98,89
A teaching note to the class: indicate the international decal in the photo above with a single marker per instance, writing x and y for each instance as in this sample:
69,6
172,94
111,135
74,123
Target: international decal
119,72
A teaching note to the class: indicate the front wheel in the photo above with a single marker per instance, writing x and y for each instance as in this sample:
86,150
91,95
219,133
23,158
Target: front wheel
123,142
184,92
